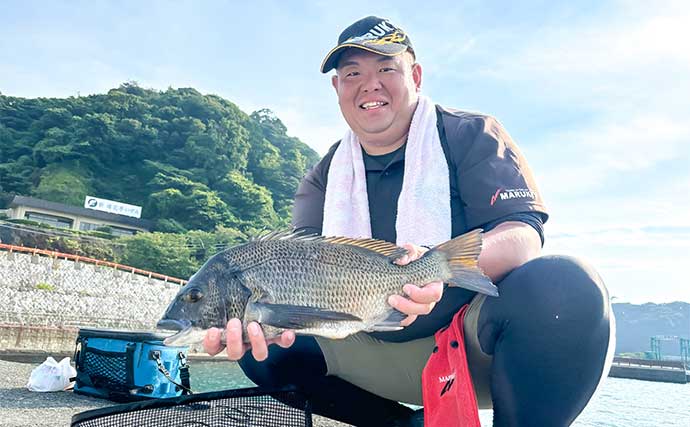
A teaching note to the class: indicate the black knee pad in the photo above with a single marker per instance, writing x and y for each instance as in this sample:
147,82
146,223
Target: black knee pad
548,294
554,275
549,332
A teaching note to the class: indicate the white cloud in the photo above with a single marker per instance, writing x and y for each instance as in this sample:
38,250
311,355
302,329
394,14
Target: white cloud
638,265
588,158
315,121
638,144
627,61
593,50
597,213
631,237
319,135
629,37
96,77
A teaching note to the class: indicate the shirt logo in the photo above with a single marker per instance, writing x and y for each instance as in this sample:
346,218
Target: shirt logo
514,193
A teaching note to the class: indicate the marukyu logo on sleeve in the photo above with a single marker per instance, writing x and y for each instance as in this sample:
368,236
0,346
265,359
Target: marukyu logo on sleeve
514,193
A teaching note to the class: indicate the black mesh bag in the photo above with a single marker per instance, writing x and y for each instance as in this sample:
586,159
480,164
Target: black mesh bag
248,407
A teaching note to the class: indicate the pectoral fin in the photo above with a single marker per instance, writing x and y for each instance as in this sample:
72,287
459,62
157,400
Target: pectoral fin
390,323
294,316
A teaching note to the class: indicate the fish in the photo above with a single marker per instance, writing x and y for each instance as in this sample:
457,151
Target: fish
326,286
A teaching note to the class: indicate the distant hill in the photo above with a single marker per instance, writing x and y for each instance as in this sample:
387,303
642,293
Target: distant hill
193,161
636,324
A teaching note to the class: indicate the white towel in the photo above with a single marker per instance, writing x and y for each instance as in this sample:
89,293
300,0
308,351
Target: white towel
424,202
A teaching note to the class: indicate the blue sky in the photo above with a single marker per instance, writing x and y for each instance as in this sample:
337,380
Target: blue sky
596,93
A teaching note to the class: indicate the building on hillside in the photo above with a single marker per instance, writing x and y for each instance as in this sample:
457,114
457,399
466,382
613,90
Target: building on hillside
73,217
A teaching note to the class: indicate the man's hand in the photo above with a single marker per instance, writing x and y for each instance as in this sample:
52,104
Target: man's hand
236,348
421,299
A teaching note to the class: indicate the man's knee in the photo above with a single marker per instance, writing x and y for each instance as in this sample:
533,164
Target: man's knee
550,295
557,279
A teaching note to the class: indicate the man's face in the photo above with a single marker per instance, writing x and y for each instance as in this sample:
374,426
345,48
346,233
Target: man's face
377,96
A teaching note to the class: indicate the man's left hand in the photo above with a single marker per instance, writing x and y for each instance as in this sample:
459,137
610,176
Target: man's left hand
421,299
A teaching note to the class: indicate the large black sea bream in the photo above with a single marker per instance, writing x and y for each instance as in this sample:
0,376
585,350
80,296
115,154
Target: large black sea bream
327,286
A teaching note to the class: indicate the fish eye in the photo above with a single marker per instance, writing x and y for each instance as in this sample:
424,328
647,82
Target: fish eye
194,295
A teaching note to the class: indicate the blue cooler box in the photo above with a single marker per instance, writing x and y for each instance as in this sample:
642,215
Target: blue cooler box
127,366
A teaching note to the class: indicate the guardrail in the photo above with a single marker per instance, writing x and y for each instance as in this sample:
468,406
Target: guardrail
97,262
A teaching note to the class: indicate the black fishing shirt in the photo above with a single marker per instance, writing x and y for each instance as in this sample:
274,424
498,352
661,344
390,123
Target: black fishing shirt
490,183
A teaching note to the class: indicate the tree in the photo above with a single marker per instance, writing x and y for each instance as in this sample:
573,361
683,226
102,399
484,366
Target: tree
191,204
16,176
62,184
160,252
195,162
248,200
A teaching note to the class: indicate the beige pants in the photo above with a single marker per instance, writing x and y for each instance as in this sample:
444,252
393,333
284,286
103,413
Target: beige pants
394,370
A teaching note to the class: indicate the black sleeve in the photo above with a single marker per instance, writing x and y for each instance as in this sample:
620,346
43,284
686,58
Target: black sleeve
535,219
493,176
307,212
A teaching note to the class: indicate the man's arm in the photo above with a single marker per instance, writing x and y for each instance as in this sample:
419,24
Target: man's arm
506,247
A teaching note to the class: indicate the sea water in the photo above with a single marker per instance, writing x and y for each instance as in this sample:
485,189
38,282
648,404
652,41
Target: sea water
617,403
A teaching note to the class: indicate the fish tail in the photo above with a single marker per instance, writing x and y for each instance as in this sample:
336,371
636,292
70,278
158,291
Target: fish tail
460,255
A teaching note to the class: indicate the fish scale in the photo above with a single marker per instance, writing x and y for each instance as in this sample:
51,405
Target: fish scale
337,292
331,286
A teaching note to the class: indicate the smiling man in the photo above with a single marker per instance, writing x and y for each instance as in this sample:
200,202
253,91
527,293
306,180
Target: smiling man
417,174
378,97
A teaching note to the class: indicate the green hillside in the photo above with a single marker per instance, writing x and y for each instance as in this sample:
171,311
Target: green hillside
207,174
193,161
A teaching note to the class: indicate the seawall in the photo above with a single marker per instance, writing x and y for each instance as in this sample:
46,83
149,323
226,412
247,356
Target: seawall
649,370
44,301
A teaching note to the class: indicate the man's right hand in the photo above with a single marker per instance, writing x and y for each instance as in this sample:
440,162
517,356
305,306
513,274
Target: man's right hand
236,347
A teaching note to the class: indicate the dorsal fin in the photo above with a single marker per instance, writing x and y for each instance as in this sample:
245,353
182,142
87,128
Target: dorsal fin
381,247
286,235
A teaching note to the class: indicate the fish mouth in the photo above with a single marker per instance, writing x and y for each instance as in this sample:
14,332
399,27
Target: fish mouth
186,335
173,324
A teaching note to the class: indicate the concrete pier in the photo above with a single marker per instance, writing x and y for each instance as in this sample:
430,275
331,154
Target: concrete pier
649,370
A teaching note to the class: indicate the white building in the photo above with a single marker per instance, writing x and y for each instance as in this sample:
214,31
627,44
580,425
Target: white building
73,217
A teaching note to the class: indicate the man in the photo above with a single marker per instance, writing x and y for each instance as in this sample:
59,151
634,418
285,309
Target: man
414,173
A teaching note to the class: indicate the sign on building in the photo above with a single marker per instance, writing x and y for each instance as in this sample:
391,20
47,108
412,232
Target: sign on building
112,207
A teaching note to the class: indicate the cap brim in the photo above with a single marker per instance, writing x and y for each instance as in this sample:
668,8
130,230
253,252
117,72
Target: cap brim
331,60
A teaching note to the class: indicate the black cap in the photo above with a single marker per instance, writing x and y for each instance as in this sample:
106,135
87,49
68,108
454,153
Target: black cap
372,34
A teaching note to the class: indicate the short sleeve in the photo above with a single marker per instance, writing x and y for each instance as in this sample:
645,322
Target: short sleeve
494,178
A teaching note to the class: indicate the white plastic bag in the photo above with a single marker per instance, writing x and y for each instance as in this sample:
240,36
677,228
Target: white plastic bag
51,375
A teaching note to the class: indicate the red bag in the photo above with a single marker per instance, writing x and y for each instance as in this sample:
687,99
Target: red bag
447,390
